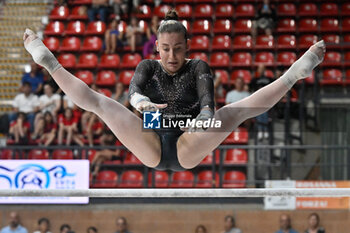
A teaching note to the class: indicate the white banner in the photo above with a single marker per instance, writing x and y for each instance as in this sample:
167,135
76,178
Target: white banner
44,174
279,203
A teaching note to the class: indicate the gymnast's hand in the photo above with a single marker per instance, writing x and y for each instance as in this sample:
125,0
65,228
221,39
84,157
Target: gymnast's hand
146,105
203,116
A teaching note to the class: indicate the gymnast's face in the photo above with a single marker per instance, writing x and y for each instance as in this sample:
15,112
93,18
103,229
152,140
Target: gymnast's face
172,48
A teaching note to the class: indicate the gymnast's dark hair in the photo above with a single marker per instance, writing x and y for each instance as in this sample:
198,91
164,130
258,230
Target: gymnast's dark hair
171,24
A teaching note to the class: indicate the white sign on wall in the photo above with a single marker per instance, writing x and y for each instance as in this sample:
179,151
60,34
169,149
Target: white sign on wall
279,203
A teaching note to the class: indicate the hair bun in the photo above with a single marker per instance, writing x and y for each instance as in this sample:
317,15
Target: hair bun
171,15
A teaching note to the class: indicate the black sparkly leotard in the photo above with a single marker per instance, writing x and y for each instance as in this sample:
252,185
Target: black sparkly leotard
186,93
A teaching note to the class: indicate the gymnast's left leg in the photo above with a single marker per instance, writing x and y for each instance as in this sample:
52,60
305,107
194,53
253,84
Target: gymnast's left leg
193,147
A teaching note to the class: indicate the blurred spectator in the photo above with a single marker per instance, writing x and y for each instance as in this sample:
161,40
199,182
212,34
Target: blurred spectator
67,125
219,90
201,229
260,80
117,7
121,94
238,93
122,225
113,38
77,112
19,129
62,2
98,7
134,34
265,19
43,226
35,77
92,230
65,228
132,6
14,225
314,224
25,102
230,225
151,33
93,129
285,225
46,128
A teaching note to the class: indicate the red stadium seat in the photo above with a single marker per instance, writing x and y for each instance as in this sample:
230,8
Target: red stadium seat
220,59
242,42
208,160
332,77
161,179
87,61
286,25
131,159
234,179
242,26
67,60
106,78
221,42
92,44
130,60
223,26
347,59
109,61
332,41
200,55
59,13
347,77
329,9
80,2
205,180
332,59
38,154
106,179
305,41
346,25
265,42
75,28
6,154
307,9
54,28
88,154
187,25
144,12
184,1
184,11
126,76
224,10
95,28
122,27
52,43
131,179
86,76
346,41
286,58
286,42
345,9
265,58
200,43
239,136
245,74
330,25
203,11
241,59
286,9
70,44
184,179
105,92
153,56
308,25
76,14
245,10
236,156
161,10
62,154
201,26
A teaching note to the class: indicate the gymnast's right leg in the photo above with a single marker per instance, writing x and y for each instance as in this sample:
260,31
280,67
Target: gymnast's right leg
124,124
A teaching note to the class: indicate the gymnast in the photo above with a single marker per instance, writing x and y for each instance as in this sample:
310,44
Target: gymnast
173,84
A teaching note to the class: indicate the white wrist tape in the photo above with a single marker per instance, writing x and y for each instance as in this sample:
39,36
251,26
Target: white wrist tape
137,98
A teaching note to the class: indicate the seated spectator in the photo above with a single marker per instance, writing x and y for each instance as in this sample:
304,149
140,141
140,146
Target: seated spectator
77,112
201,229
219,90
265,19
230,225
285,225
67,125
20,129
117,7
151,33
121,94
92,230
122,225
65,228
98,7
43,226
35,77
134,34
93,129
238,93
314,224
107,139
47,128
14,226
25,102
113,38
